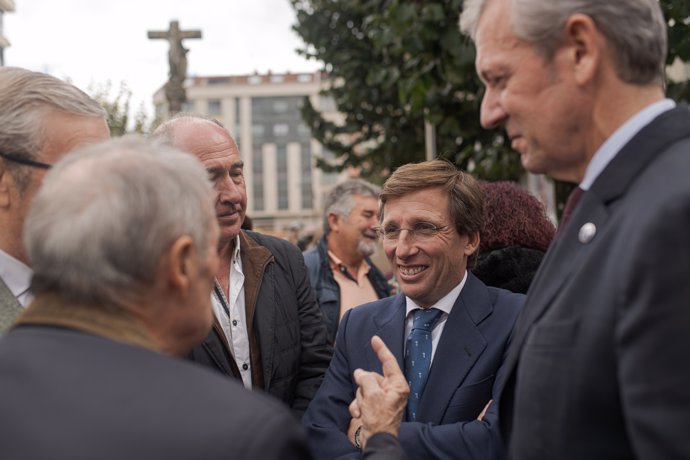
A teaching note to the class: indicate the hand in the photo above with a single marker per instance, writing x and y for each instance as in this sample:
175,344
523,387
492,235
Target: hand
381,400
483,412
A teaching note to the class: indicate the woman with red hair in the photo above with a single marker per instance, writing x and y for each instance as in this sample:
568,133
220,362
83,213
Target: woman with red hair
516,234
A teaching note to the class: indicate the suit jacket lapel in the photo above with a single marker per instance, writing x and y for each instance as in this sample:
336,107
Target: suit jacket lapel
390,326
460,346
10,308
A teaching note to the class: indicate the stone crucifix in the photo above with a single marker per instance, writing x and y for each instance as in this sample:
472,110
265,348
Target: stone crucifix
177,57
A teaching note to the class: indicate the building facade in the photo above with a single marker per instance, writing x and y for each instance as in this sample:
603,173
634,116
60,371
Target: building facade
284,187
5,7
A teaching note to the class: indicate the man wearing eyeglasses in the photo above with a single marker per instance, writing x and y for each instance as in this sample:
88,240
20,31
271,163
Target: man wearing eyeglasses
447,330
41,119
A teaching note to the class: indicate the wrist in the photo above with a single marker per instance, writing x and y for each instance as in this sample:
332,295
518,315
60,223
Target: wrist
358,437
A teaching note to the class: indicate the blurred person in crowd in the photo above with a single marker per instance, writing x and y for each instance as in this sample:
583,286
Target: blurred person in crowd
516,234
340,270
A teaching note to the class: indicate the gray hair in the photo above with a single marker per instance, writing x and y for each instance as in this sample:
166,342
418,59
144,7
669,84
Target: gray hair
25,98
106,214
340,199
635,30
166,130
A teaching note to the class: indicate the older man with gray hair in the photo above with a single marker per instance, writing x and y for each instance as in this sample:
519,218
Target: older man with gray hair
340,270
122,237
41,120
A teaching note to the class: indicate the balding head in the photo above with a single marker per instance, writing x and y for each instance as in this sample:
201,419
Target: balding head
211,143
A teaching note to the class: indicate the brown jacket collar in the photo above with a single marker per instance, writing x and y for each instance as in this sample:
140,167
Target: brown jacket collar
104,321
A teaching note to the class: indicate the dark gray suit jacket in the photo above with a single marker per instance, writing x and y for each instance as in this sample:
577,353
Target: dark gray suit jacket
463,376
75,396
599,363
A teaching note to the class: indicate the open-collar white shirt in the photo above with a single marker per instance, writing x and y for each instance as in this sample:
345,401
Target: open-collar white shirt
234,320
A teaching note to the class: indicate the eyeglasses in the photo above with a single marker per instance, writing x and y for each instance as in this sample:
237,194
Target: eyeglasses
25,161
421,231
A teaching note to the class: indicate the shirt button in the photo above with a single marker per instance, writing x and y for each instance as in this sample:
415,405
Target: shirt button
245,366
234,322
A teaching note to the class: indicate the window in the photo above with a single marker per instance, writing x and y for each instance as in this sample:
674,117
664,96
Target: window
213,107
281,129
280,106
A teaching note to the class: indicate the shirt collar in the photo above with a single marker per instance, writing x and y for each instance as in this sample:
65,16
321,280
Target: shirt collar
337,263
445,304
610,148
15,274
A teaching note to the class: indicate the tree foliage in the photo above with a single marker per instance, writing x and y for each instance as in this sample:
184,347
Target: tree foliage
395,63
677,12
117,107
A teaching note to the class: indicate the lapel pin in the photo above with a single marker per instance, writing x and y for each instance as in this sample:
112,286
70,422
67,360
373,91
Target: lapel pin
587,233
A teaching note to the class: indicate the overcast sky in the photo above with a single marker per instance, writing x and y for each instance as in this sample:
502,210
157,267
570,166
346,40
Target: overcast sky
92,41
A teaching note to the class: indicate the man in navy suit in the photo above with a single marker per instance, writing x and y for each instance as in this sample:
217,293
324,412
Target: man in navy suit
431,216
598,366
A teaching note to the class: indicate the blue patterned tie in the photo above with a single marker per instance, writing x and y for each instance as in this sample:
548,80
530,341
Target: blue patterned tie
418,356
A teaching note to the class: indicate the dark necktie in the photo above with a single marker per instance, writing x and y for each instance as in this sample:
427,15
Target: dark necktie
418,356
573,200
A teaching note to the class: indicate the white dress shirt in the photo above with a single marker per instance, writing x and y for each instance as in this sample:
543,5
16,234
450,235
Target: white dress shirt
234,325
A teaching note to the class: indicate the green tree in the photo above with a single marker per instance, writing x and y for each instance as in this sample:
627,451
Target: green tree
118,108
677,12
395,63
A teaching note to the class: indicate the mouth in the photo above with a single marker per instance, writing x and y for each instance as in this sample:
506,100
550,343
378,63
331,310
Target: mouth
370,235
516,142
227,213
409,272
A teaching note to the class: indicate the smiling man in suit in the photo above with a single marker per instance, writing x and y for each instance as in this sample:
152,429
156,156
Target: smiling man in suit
597,368
447,330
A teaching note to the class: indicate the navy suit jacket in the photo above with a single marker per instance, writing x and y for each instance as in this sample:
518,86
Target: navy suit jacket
464,376
598,367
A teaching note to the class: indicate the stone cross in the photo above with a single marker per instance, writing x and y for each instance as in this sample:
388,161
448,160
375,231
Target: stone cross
177,58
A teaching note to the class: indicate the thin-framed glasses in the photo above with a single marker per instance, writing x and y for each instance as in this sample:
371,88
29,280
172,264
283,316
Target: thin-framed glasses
421,231
25,161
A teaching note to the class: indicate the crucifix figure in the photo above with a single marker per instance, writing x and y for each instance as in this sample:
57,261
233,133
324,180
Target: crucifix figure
177,57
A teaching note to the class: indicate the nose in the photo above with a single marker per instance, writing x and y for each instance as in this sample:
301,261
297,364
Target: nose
228,190
405,245
492,113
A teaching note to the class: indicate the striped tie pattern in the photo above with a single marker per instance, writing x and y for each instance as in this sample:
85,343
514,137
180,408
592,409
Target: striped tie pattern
418,356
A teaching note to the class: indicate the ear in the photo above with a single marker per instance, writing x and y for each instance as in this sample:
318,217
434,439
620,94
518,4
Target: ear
6,185
472,244
180,263
585,46
333,221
